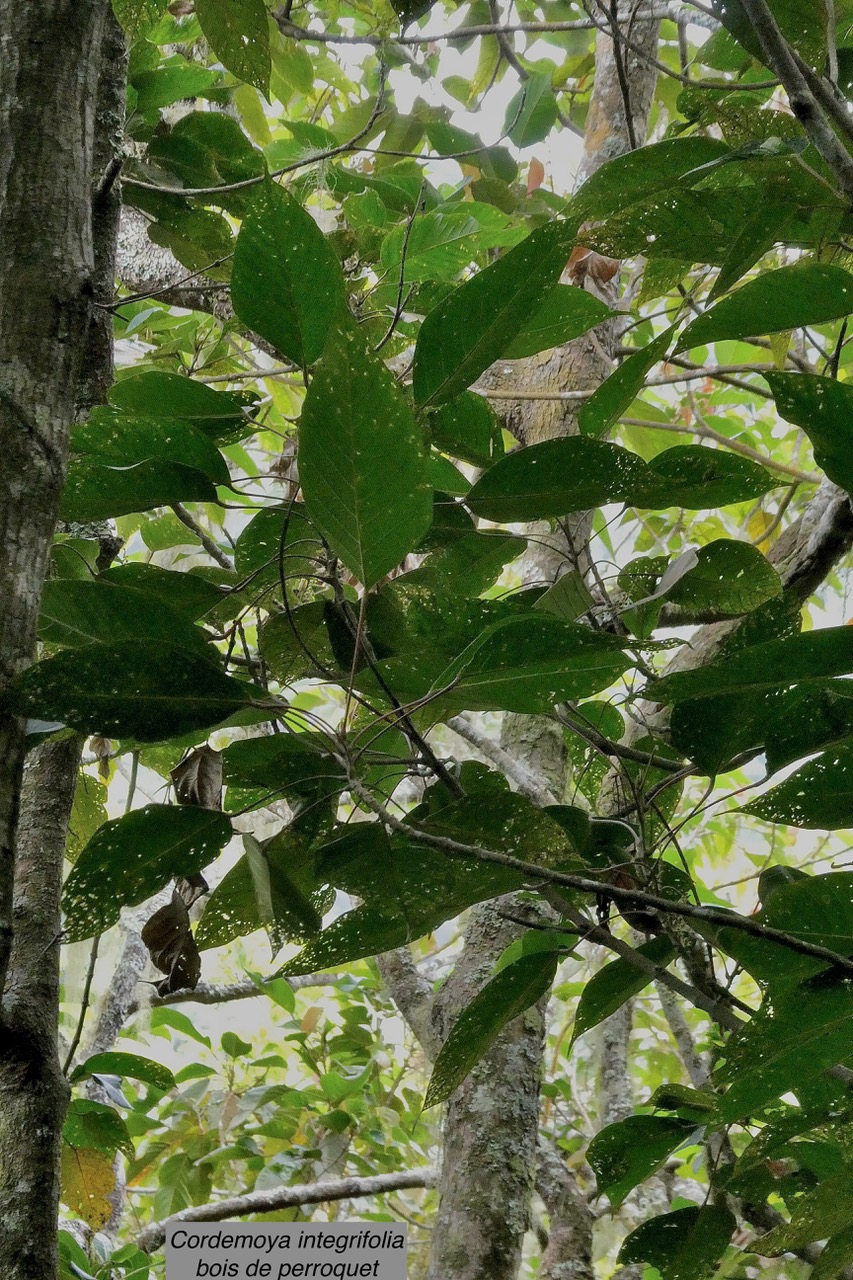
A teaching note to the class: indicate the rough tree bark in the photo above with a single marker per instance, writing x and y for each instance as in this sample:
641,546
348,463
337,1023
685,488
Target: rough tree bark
55,357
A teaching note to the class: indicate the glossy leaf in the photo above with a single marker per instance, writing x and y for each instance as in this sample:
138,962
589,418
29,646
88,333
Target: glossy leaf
683,1245
729,577
616,983
503,998
130,858
286,283
696,477
528,664
804,293
796,1034
823,407
238,31
619,391
810,657
625,1153
129,690
818,796
462,336
128,1065
566,313
357,430
555,478
217,413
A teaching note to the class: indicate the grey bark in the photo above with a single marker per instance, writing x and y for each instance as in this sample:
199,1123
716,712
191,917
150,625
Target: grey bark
54,356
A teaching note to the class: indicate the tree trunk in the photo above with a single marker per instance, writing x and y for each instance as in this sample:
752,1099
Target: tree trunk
52,359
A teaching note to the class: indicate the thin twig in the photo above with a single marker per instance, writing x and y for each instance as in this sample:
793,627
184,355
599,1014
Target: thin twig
84,1005
216,553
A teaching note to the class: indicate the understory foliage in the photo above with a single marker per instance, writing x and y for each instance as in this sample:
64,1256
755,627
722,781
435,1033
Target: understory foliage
326,532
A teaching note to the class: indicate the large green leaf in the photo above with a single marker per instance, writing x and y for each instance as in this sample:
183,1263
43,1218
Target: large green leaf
95,490
113,437
129,1065
817,796
825,1212
217,413
286,284
696,477
625,1153
472,328
632,177
528,664
730,577
362,464
187,593
408,891
277,542
238,32
805,293
797,1034
555,478
566,313
138,16
504,997
810,657
273,886
617,982
802,22
617,392
130,858
468,428
823,407
84,612
683,1245
131,690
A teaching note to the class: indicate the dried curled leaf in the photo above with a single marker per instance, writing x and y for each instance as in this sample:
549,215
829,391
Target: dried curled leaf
172,947
198,778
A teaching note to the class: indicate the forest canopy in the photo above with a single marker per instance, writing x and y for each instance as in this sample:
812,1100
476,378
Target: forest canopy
425,702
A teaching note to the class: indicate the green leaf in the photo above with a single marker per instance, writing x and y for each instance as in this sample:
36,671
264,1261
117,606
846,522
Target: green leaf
163,1016
621,389
185,593
527,665
286,283
285,763
805,293
818,796
356,431
503,998
566,313
80,612
129,690
759,234
697,477
131,857
170,82
823,408
217,413
805,658
128,1065
277,533
273,886
463,335
625,1153
802,22
617,982
468,428
627,179
531,114
234,1046
408,890
730,577
238,32
683,1245
98,491
555,478
94,1126
796,1034
138,16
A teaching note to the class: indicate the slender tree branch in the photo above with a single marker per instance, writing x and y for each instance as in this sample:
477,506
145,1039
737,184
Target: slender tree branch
152,1236
216,553
782,60
526,781
632,897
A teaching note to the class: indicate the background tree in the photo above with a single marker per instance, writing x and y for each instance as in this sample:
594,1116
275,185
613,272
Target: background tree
377,552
